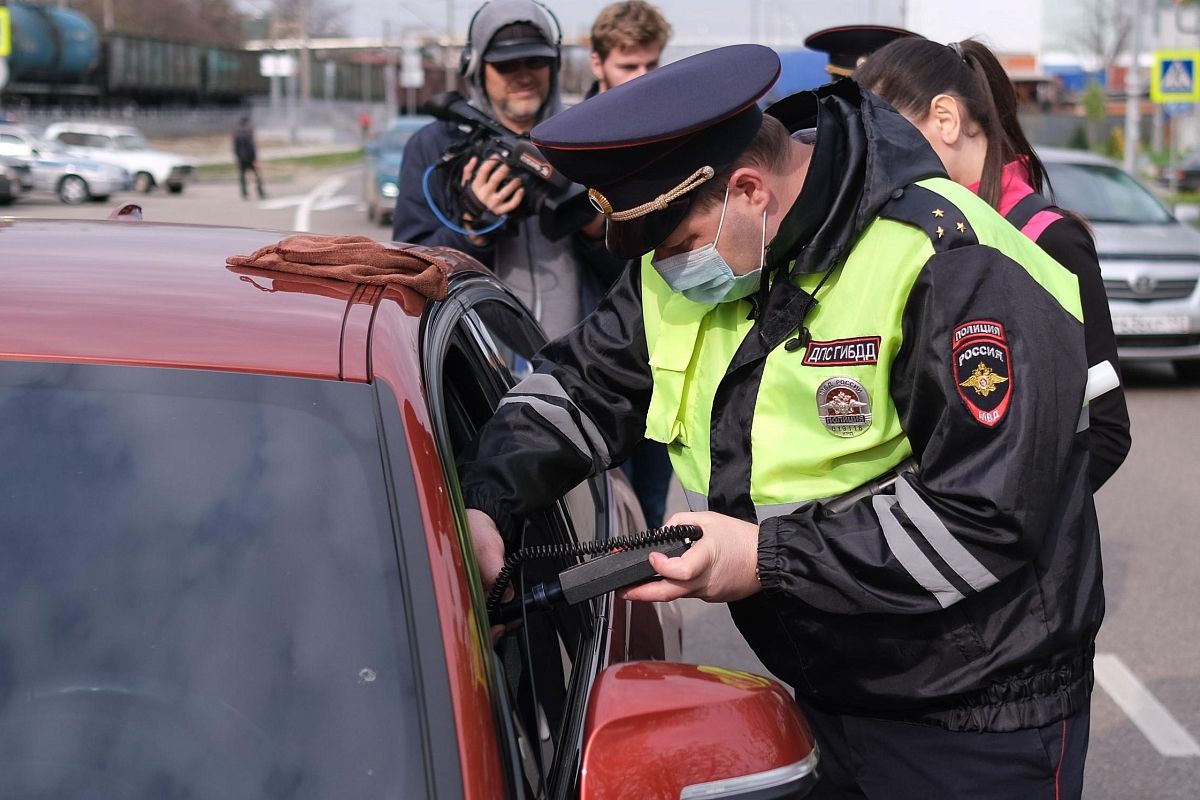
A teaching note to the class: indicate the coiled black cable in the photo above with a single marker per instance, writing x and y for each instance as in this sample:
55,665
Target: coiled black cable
636,541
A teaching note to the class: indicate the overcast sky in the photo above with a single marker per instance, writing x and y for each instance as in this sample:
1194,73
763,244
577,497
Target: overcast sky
1011,25
1015,26
693,20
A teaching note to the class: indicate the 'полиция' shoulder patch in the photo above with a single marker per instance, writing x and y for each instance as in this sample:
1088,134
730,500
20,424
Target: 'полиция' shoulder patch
983,369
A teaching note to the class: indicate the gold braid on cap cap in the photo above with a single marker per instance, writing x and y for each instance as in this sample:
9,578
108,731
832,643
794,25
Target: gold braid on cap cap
659,203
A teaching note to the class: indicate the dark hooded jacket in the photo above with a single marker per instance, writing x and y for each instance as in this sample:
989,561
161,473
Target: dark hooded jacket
839,617
560,281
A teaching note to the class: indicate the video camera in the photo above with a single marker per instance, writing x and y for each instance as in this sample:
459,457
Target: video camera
562,207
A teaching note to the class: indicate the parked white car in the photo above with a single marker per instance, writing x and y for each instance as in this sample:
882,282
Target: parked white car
123,145
72,178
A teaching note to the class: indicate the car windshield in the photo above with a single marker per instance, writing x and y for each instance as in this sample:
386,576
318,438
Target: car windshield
395,139
1105,193
130,141
200,588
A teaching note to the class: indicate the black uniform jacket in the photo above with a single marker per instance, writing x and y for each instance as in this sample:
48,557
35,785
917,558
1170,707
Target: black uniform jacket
840,618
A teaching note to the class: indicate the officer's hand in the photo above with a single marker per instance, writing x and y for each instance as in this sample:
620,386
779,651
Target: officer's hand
718,568
489,546
489,555
489,185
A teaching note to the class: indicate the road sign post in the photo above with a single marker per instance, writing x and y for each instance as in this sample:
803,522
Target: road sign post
1174,78
1174,83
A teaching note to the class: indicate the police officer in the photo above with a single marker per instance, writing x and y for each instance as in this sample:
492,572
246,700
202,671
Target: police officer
871,387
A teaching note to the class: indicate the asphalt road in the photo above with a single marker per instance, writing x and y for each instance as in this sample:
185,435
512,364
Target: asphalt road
1146,711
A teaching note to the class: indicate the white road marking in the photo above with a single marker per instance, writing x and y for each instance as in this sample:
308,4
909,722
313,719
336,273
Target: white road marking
1152,719
325,204
277,203
321,192
337,201
321,198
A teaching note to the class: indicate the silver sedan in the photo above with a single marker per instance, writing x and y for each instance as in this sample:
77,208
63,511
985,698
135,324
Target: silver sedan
74,180
50,169
1150,261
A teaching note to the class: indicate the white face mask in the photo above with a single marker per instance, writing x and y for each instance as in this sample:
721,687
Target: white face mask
703,276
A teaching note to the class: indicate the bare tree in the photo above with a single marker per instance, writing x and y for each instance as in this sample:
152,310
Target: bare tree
216,21
1105,30
325,17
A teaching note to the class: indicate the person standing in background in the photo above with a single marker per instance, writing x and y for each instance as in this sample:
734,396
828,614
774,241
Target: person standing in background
364,125
627,41
961,99
510,70
247,157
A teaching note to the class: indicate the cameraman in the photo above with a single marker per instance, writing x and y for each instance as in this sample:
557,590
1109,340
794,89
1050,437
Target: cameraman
511,67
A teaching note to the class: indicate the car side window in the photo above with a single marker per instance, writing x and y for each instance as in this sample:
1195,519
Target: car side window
547,662
71,138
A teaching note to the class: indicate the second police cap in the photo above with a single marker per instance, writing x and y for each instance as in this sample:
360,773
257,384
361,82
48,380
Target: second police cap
849,45
642,147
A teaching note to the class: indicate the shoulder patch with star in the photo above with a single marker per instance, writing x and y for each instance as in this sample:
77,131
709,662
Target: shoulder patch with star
946,225
983,369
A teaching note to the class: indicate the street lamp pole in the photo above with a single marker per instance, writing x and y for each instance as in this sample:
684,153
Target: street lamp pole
447,59
1133,91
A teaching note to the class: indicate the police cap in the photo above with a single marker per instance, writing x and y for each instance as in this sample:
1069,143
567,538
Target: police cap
643,147
848,45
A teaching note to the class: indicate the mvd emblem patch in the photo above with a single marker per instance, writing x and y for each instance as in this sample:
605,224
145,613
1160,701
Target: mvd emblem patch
983,369
844,407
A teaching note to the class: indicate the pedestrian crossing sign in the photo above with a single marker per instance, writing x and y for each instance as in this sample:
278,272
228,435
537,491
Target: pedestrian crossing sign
1174,78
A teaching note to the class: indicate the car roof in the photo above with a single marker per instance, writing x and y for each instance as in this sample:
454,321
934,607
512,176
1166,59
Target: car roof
410,122
1064,155
158,294
91,127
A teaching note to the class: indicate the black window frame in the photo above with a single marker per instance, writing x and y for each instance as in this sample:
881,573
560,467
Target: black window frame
455,321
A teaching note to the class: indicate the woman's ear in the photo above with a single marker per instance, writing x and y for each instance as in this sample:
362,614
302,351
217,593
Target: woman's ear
945,114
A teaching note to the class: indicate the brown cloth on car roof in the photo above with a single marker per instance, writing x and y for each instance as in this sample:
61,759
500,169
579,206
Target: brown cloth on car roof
355,259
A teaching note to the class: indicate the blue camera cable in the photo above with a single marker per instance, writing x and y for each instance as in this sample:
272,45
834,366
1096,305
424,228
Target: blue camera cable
442,218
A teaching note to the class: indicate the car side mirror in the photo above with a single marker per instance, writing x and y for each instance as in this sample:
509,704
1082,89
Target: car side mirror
684,732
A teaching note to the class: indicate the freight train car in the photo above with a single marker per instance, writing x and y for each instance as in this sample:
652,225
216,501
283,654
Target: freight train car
53,50
59,59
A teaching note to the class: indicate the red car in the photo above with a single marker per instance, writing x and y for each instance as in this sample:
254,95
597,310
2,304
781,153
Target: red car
234,563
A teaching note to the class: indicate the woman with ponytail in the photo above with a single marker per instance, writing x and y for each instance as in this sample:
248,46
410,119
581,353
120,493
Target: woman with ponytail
961,99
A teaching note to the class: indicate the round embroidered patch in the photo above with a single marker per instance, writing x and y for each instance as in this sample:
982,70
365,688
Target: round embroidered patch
844,407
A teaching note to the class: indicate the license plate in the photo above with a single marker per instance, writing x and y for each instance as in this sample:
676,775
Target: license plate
1147,324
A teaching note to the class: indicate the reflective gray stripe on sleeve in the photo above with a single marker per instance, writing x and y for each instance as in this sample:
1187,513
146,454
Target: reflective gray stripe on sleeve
910,556
939,537
696,501
557,417
766,512
539,383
